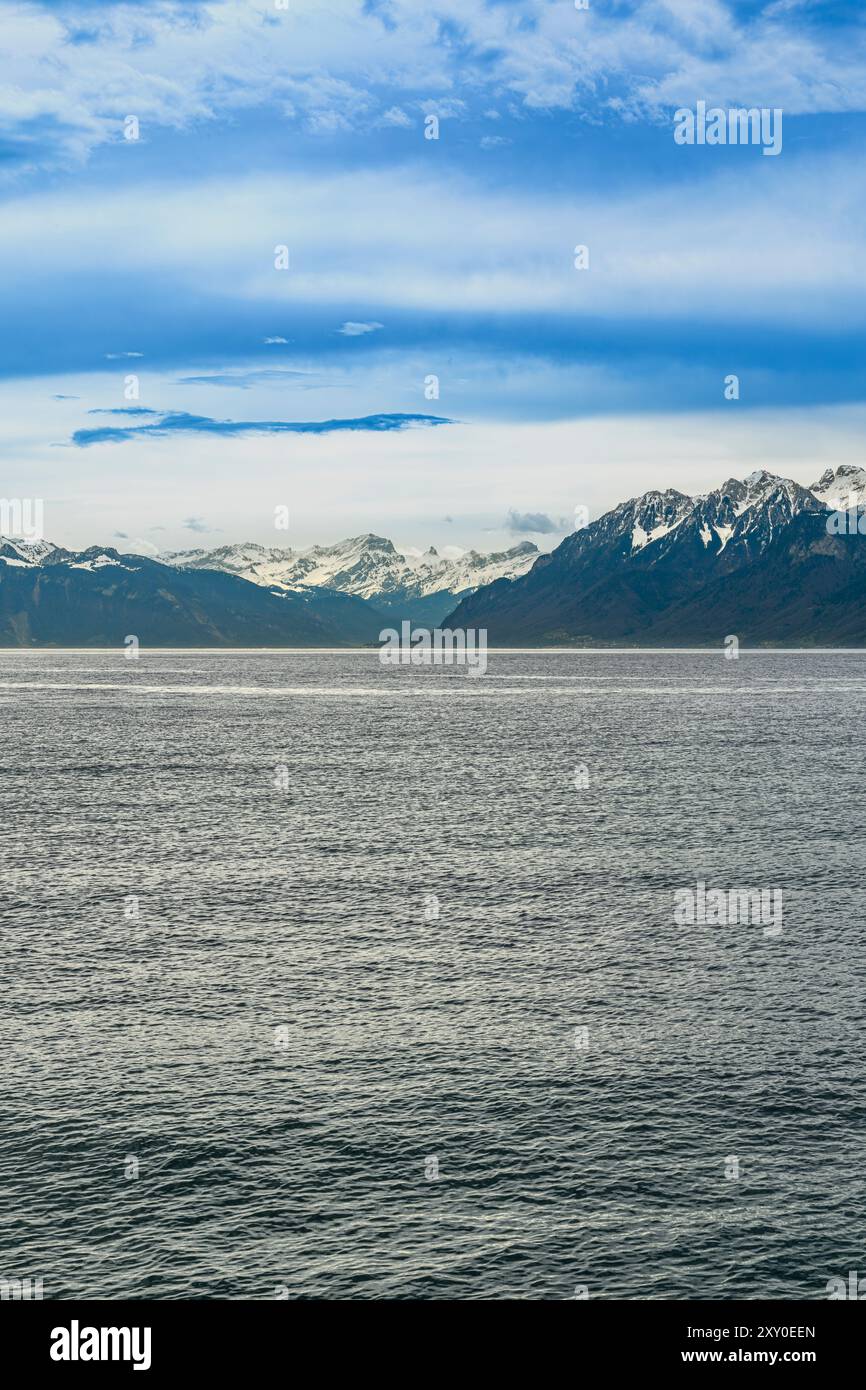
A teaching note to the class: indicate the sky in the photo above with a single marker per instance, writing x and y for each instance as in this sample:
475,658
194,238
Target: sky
238,273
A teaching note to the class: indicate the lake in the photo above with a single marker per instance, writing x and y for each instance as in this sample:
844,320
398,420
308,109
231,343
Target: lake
327,979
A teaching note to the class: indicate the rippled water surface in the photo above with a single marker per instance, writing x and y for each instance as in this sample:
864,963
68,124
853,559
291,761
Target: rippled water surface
373,909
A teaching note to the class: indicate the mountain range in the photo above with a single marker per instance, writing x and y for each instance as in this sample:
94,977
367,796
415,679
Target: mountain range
238,595
755,558
423,588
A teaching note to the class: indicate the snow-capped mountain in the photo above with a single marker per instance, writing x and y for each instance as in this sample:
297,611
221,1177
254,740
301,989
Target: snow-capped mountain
343,593
752,557
55,597
843,489
18,552
368,567
731,513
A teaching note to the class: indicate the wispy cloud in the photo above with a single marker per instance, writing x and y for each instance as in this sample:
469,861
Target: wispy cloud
396,116
514,254
245,380
178,64
357,330
179,422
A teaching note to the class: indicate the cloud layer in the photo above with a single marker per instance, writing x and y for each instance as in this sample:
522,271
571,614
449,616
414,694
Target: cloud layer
80,69
179,422
432,263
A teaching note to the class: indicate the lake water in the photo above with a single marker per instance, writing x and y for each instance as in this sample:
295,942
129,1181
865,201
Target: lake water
339,1051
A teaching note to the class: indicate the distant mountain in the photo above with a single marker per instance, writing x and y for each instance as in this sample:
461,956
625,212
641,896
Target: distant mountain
752,558
236,595
843,488
422,588
55,597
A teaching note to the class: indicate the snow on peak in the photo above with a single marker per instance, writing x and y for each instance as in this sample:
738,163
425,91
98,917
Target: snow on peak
25,552
367,566
755,508
843,488
759,478
96,562
640,537
651,516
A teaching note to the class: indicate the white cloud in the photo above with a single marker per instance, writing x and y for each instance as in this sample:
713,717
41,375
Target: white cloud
395,116
677,250
445,110
173,65
357,330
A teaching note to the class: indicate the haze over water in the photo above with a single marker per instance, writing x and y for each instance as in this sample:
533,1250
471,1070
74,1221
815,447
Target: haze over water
374,908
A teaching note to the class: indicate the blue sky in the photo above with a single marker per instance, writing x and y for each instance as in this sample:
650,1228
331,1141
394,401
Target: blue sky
411,257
